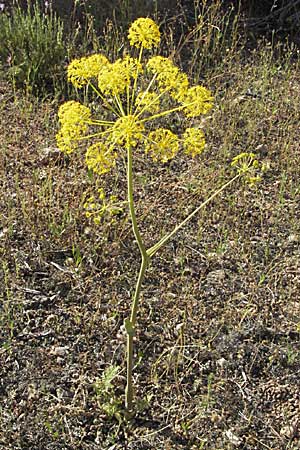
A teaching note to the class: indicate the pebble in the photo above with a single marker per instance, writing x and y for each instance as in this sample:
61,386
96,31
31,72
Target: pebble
59,351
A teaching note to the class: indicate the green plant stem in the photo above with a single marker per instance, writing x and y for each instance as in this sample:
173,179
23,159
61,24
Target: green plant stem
152,250
135,81
130,323
131,204
130,329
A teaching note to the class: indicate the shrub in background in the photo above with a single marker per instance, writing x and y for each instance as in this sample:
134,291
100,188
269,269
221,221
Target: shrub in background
32,48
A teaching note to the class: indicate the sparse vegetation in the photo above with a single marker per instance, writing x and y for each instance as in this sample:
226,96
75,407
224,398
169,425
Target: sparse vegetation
217,351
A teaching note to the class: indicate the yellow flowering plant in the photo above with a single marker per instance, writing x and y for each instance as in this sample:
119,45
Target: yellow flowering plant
134,93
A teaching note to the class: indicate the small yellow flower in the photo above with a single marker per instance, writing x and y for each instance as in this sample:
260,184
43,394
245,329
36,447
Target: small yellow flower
113,79
93,209
100,158
90,203
147,101
197,100
144,33
159,64
72,112
97,209
247,165
244,162
127,130
67,138
101,194
162,145
168,76
193,141
81,71
251,181
97,220
74,119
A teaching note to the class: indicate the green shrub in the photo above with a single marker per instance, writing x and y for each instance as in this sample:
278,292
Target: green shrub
32,47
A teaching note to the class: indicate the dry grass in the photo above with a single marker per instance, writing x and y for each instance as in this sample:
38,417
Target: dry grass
218,340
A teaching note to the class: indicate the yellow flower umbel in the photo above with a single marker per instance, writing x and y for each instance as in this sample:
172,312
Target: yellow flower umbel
197,101
193,141
144,33
74,119
113,79
169,78
127,131
162,145
81,71
136,93
97,207
100,158
248,166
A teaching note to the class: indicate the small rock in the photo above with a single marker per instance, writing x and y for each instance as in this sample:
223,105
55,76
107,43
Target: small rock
216,276
233,439
179,326
222,363
293,238
59,351
288,431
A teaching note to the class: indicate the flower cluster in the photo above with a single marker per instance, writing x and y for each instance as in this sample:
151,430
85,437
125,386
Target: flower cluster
137,94
97,207
197,101
81,71
248,166
193,141
169,77
74,119
127,131
100,158
113,79
162,145
144,33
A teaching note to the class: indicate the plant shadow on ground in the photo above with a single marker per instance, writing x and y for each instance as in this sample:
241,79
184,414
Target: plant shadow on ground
217,364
